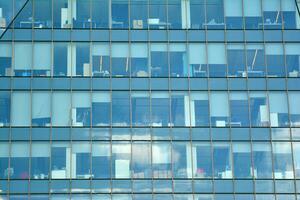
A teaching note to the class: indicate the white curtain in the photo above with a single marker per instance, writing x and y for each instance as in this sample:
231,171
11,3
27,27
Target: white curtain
278,102
274,49
139,50
101,49
197,54
119,50
20,150
101,97
61,109
216,54
252,8
41,104
81,100
233,8
219,104
21,109
159,47
23,56
292,49
288,5
241,148
42,56
83,147
101,149
40,150
271,5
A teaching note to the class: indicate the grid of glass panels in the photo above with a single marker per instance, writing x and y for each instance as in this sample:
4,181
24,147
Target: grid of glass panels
150,109
152,14
83,59
151,112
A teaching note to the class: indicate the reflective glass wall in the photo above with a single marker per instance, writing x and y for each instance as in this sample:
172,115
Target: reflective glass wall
150,99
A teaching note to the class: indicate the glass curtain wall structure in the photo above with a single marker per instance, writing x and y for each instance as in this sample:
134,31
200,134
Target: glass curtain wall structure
150,99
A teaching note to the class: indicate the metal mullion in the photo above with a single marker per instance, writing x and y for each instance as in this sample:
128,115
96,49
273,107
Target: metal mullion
91,110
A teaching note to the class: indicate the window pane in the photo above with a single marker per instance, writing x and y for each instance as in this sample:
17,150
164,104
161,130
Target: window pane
161,160
262,160
62,15
119,14
40,160
5,107
259,109
178,60
120,109
253,14
197,13
292,52
219,110
215,14
236,60
42,59
296,154
100,13
158,14
272,14
141,160
294,99
180,109
4,157
41,114
202,162
139,14
120,59
121,154
42,14
239,109
140,108
101,108
199,107
176,15
61,109
81,109
5,59
255,61
23,59
222,160
159,60
81,13
283,165
216,60
101,59
60,160
289,14
234,14
19,161
160,109
101,160
81,159
81,60
182,161
61,61
242,160
21,110
139,60
197,60
275,60
278,109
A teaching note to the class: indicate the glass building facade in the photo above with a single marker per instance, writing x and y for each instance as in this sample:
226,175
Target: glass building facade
150,99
